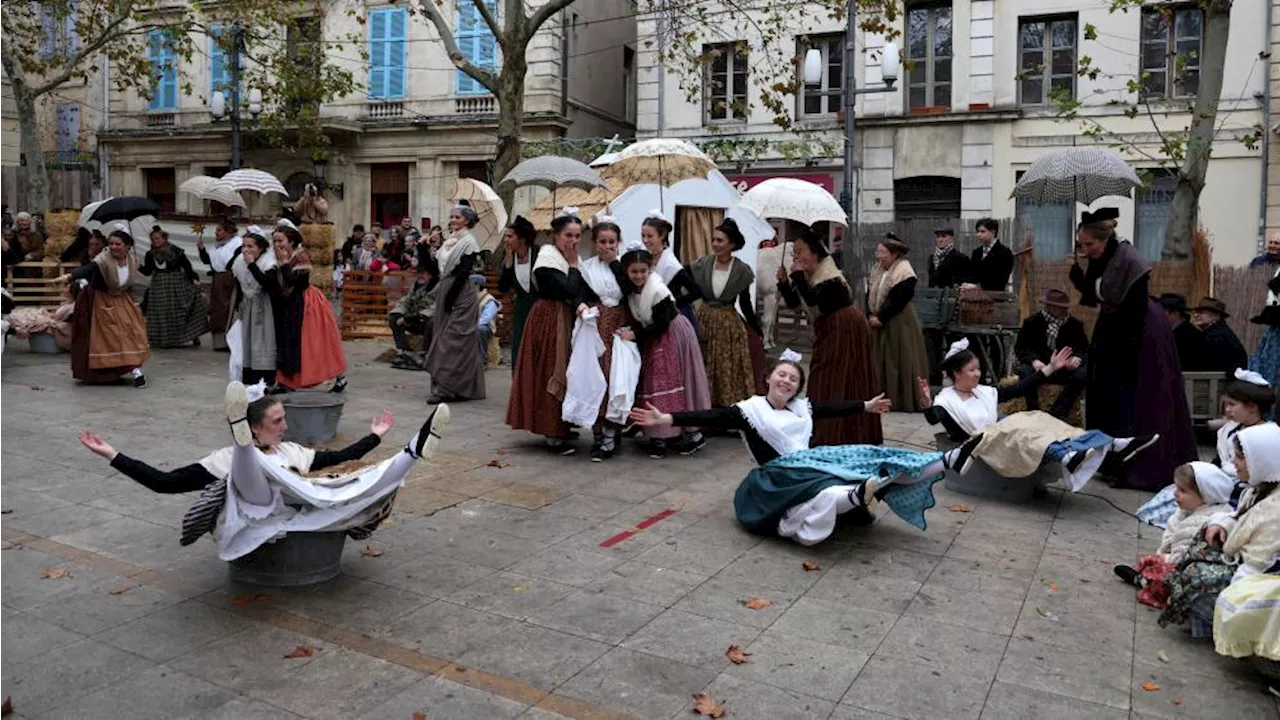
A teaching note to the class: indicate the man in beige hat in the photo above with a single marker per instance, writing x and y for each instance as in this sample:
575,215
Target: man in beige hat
1042,335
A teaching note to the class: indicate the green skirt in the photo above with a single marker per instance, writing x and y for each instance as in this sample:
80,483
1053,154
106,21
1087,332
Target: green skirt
520,306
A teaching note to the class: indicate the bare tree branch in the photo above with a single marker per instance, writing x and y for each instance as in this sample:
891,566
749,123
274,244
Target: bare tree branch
486,78
107,35
542,14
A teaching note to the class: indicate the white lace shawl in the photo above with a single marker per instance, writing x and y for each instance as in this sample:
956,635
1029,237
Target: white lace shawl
454,249
248,283
960,411
667,265
642,303
788,430
603,282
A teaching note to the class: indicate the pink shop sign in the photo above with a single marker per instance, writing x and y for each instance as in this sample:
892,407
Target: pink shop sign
746,182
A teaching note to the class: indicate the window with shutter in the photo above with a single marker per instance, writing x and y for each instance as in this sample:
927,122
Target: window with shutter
476,42
164,72
68,131
388,28
49,28
219,73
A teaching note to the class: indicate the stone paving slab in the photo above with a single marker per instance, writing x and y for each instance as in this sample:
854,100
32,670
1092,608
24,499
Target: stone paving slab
526,588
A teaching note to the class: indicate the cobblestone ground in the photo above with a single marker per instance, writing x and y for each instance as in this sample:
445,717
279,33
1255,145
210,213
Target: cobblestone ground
494,592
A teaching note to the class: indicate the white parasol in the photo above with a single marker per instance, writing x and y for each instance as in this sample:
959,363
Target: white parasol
259,181
793,199
487,204
207,187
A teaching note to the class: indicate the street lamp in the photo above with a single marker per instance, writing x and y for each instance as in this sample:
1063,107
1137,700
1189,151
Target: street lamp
318,170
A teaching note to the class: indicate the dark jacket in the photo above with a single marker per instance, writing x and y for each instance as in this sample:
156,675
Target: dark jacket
955,270
1220,350
994,271
1033,340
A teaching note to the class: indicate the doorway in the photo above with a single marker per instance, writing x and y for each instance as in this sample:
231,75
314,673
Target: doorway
388,193
162,187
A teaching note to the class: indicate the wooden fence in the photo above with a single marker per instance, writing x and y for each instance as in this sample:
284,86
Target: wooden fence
367,298
67,188
35,283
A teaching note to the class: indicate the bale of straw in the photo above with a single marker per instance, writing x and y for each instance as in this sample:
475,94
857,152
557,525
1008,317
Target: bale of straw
316,236
61,227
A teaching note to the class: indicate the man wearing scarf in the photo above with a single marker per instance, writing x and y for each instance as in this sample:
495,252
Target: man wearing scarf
1134,383
947,267
1042,335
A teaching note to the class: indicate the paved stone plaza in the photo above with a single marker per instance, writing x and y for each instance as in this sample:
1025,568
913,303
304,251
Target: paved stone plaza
500,589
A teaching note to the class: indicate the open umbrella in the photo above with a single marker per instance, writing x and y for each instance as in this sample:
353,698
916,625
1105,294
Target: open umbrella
661,161
487,204
792,199
1076,174
124,208
207,187
256,180
553,171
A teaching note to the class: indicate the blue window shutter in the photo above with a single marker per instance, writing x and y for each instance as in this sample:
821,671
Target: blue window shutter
49,27
69,33
219,73
397,34
378,27
476,42
164,67
68,129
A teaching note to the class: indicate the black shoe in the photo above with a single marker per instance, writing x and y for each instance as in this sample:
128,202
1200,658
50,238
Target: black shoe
195,343
631,431
964,459
1078,459
424,444
560,447
572,434
277,389
695,443
604,448
339,384
140,381
1137,445
1129,575
658,449
435,400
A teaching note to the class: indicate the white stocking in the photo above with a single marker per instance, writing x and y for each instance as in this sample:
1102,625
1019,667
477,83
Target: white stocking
813,521
247,477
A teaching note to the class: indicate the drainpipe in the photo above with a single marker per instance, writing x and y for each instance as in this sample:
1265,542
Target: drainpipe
1266,131
564,63
104,162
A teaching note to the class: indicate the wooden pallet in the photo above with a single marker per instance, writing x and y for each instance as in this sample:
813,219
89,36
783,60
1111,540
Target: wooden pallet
367,299
36,283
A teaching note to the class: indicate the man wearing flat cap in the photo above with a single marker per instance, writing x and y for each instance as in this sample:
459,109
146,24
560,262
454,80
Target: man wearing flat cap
1219,349
948,267
1042,335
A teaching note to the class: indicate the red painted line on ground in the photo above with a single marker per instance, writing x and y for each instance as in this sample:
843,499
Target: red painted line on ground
617,538
643,525
655,519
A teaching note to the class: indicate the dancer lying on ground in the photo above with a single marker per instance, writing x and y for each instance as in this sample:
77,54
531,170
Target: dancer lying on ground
797,492
1018,445
254,492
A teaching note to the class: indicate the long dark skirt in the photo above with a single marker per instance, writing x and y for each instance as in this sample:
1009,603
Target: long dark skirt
1123,403
457,371
520,306
768,492
176,313
544,354
843,369
900,359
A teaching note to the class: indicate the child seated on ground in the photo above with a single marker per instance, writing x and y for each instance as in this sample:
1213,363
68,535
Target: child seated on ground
1201,491
1247,399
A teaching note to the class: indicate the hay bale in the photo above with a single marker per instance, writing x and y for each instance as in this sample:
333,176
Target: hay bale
61,227
316,236
322,277
320,256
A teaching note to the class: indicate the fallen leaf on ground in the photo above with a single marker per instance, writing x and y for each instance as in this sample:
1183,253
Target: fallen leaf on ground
737,655
1150,686
1163,658
755,603
55,573
120,590
300,652
419,716
496,463
1053,587
502,451
37,388
1177,701
243,600
371,551
706,705
517,589
10,545
958,508
809,566
7,706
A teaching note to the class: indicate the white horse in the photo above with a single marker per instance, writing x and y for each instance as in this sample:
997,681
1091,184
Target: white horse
767,262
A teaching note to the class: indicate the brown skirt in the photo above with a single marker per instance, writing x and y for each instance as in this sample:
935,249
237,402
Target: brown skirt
726,354
901,358
533,405
842,370
109,336
457,371
222,294
611,318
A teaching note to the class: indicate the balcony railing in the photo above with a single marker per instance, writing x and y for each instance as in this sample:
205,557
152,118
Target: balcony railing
477,105
71,160
385,110
161,119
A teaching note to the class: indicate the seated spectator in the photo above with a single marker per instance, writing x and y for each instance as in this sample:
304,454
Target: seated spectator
1220,349
29,236
408,231
367,252
1185,337
412,315
488,321
352,243
1042,335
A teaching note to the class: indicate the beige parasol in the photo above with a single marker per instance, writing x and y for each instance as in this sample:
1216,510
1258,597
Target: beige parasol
487,204
662,162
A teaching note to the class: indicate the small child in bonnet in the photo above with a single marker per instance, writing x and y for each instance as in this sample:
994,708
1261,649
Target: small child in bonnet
1203,491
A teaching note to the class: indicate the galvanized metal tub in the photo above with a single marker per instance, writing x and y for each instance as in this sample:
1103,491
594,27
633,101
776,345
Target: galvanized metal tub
312,415
982,481
303,558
